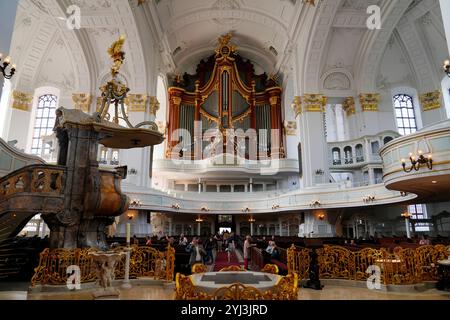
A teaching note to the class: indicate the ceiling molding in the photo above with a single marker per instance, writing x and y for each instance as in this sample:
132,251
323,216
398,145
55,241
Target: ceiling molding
374,42
319,38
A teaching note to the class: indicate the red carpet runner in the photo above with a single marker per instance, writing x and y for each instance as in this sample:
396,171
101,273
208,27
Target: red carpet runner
222,261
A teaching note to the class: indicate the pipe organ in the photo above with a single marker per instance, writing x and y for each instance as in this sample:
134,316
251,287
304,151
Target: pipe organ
225,108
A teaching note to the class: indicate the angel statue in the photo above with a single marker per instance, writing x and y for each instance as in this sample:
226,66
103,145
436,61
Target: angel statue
118,56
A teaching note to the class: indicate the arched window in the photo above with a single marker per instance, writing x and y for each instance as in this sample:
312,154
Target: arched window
404,114
336,156
359,153
44,123
387,139
348,155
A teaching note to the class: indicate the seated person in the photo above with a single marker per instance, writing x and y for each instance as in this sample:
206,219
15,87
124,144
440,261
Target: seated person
183,240
275,253
270,247
424,240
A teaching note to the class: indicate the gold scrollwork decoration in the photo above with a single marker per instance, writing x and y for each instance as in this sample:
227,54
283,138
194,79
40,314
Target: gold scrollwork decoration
22,101
430,100
82,101
398,266
349,106
136,102
369,101
314,102
145,262
297,106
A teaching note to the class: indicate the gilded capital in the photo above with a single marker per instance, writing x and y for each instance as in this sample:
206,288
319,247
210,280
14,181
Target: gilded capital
349,106
290,128
314,102
99,104
82,101
430,100
136,102
176,101
22,101
297,106
154,105
370,101
273,101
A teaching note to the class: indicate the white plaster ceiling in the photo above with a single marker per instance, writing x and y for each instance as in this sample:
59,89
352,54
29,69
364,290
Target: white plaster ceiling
260,28
329,42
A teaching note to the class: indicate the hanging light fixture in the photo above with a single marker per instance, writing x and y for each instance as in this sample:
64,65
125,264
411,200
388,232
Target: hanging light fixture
4,65
417,162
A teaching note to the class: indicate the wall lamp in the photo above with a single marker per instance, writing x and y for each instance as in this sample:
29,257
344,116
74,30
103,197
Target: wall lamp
315,203
368,199
417,162
135,203
447,67
406,215
4,65
176,206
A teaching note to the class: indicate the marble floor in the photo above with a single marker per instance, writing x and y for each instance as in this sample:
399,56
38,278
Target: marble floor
166,293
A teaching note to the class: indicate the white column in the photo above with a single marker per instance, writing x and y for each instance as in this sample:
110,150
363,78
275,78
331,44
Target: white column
340,127
170,227
371,176
251,184
408,231
280,227
251,229
199,228
314,147
331,123
445,9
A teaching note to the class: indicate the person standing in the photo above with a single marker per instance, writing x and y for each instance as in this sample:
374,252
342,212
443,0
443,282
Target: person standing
231,240
196,251
247,247
209,247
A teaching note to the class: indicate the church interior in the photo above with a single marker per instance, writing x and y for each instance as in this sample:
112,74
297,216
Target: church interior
224,150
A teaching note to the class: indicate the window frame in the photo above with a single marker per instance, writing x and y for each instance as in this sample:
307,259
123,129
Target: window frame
43,122
404,111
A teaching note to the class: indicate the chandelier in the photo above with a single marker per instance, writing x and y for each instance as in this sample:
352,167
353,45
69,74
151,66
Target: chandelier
417,162
4,65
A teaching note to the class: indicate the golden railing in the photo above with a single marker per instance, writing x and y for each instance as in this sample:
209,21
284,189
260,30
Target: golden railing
402,266
285,289
144,262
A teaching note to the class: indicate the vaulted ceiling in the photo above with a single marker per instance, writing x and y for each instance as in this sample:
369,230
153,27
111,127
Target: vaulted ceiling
326,47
